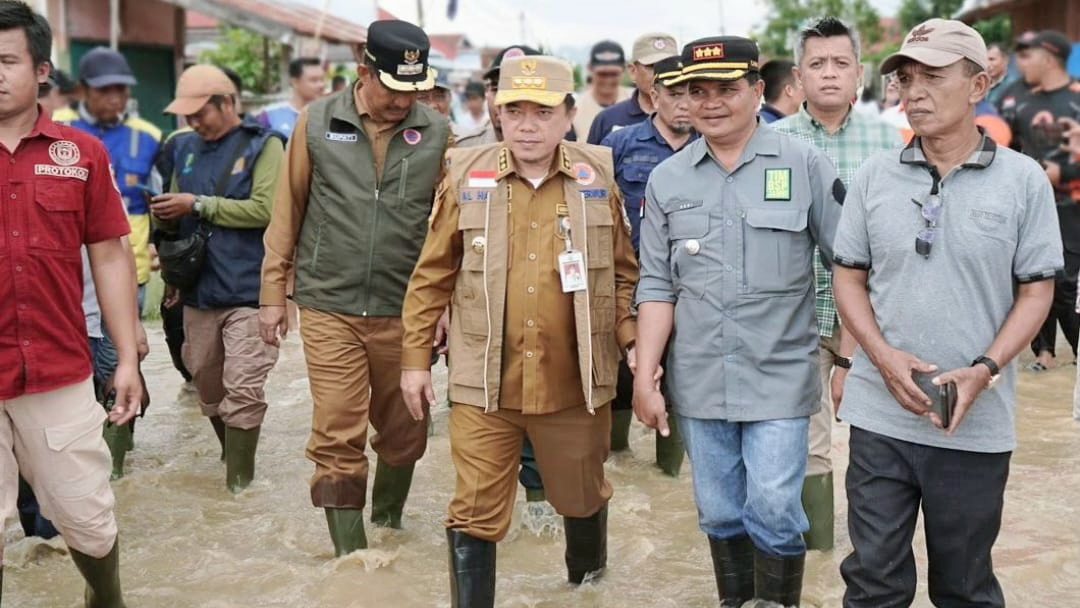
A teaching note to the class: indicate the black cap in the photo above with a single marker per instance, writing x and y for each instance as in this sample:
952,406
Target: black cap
60,81
509,52
607,53
103,67
667,71
1054,42
474,89
719,58
399,51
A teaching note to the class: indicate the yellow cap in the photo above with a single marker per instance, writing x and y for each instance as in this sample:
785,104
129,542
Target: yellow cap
538,78
195,88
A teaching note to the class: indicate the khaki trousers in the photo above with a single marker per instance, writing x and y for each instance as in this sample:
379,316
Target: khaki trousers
570,446
229,363
354,368
54,440
820,459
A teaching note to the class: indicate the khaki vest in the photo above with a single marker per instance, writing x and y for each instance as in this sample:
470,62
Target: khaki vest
479,299
361,237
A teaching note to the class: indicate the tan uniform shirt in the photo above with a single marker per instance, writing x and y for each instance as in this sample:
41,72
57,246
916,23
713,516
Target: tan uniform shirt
291,200
540,373
588,108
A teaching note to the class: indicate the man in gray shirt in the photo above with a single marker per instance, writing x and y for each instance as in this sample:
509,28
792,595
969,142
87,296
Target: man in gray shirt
944,265
727,246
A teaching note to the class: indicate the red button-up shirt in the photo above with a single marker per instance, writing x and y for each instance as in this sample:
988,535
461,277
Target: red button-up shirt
56,194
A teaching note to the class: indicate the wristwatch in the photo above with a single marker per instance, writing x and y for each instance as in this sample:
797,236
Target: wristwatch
995,370
196,209
841,361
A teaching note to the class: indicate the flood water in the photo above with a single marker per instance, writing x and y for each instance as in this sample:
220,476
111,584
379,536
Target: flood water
186,542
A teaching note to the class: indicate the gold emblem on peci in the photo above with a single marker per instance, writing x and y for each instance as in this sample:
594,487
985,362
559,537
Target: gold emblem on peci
412,56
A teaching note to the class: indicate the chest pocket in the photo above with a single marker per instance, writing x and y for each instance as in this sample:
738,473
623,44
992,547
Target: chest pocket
687,229
56,217
776,252
468,305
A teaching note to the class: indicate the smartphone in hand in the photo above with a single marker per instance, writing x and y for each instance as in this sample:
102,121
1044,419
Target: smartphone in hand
147,191
942,398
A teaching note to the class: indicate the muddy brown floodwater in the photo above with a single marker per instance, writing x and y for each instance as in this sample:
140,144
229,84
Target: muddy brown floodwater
186,542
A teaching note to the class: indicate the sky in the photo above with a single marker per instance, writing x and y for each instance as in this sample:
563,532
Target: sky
572,25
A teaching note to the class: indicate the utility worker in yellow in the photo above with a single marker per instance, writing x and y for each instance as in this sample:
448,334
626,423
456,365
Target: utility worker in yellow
530,246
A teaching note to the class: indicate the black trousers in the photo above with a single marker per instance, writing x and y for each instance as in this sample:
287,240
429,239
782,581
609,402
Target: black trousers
961,495
173,321
1062,310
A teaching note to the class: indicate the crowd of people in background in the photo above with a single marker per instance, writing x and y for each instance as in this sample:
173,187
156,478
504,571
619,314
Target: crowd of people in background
372,205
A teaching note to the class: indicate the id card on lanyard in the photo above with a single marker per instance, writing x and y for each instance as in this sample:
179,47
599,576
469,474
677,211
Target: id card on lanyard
571,263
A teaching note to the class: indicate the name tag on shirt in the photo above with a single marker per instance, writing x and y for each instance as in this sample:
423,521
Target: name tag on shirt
778,184
344,138
474,195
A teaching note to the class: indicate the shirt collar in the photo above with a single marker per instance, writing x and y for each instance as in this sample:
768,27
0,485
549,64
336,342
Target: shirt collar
635,105
814,123
981,158
649,131
44,125
90,119
764,142
562,163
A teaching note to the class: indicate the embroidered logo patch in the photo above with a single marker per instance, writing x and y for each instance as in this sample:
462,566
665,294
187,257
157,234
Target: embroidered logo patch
64,153
778,184
79,173
411,136
584,173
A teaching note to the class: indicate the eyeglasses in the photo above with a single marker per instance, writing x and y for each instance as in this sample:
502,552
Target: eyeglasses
931,212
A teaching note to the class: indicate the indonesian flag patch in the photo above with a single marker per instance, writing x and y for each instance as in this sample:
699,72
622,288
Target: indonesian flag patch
482,179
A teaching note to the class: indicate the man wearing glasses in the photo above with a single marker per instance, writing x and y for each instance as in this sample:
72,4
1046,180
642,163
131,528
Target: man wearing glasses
944,264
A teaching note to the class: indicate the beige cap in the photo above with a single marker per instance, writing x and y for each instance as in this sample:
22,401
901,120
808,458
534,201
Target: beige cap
196,86
538,78
938,43
651,48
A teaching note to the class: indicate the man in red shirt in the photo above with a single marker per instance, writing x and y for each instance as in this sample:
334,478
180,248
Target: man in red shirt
57,194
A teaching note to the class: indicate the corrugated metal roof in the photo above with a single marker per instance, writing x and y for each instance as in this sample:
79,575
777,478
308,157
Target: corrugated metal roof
279,19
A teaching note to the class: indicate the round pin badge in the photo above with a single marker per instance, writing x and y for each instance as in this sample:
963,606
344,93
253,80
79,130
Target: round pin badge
479,244
693,247
584,173
412,136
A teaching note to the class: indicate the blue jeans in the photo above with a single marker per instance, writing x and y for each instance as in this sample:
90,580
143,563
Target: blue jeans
748,479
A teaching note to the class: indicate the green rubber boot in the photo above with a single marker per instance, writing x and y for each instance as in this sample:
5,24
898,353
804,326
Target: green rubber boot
670,450
535,495
346,530
620,429
118,438
240,447
102,578
219,430
389,492
817,500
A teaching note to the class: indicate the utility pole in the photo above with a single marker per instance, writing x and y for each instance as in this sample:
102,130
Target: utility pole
723,29
420,13
521,22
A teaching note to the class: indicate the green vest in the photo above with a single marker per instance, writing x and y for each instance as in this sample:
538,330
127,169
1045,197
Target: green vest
360,238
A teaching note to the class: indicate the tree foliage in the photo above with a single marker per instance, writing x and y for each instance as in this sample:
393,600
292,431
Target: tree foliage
914,12
256,59
787,17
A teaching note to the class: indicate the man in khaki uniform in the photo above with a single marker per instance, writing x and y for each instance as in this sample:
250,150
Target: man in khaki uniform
352,211
530,246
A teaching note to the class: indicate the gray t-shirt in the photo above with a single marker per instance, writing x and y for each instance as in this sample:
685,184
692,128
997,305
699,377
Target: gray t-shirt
998,227
90,306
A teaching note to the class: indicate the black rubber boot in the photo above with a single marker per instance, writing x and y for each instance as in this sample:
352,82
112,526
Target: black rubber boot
219,430
102,578
240,445
388,494
620,429
586,546
346,530
472,571
733,565
778,579
817,501
118,438
670,450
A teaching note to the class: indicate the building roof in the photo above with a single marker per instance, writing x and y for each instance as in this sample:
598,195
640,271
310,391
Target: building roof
279,19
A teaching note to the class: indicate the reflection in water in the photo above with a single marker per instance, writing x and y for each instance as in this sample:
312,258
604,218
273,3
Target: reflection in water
187,542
